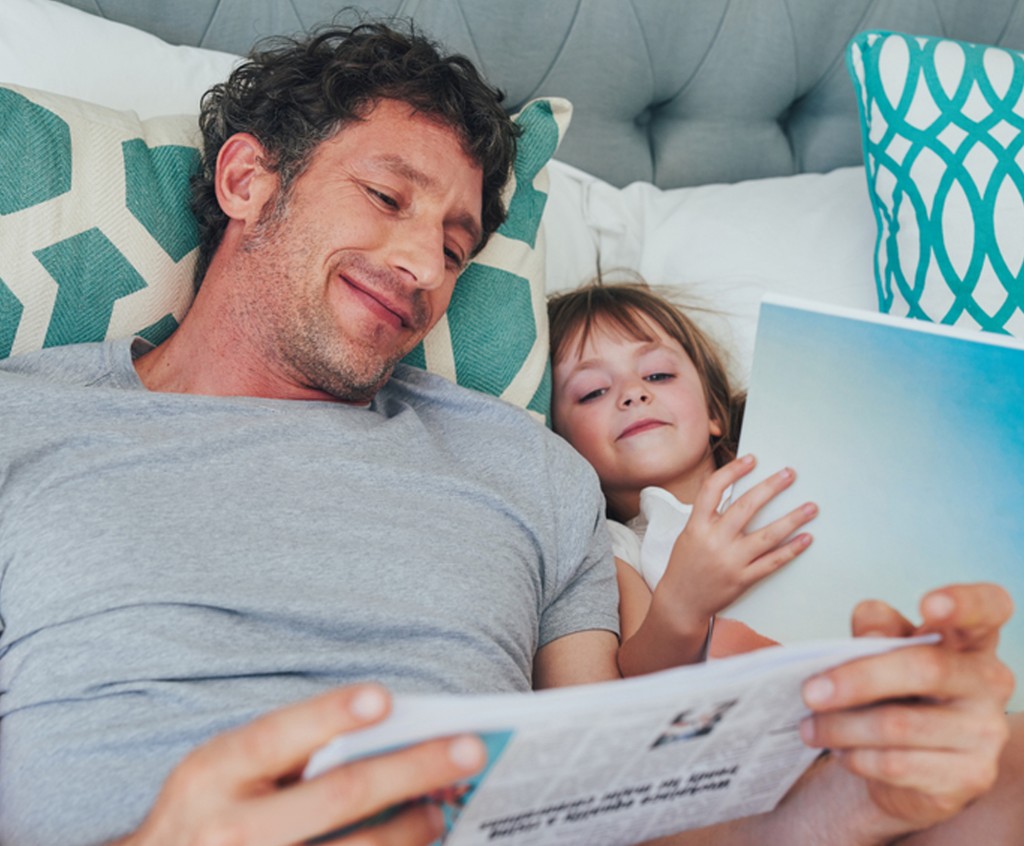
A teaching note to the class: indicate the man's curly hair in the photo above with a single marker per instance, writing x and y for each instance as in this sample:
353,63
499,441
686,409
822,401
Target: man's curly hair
297,93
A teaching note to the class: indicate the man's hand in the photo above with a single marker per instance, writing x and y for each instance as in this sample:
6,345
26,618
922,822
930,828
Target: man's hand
243,787
923,726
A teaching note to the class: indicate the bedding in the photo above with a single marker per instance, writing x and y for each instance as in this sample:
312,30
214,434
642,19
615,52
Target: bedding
720,153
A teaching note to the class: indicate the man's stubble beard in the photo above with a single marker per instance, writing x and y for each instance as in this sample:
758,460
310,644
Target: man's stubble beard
307,344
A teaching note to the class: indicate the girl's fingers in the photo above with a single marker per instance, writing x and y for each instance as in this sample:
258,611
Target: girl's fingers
709,497
739,513
762,541
776,558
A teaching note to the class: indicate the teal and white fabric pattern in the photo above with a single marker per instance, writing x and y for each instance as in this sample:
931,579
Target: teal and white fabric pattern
943,131
96,236
494,337
97,241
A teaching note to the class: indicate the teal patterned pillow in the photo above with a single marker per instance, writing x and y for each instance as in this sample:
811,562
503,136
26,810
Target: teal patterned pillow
943,132
96,237
97,241
494,337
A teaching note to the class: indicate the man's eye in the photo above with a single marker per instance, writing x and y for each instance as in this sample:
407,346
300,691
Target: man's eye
593,395
386,199
453,258
659,377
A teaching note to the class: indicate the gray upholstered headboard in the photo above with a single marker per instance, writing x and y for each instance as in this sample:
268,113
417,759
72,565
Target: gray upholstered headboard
676,92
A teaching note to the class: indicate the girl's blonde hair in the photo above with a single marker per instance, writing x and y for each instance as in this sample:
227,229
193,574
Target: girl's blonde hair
573,314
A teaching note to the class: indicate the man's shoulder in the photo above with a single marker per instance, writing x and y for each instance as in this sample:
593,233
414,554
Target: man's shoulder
427,389
498,422
74,364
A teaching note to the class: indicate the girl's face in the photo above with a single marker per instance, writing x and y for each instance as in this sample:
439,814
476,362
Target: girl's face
636,411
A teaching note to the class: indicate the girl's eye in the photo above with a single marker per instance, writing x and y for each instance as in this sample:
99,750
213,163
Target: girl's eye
593,395
659,377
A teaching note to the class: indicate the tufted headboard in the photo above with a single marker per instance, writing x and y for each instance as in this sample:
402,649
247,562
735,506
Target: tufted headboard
675,92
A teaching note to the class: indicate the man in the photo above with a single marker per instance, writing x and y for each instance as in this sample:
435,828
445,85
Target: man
206,539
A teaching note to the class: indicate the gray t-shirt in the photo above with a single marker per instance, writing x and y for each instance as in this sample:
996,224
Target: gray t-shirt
172,565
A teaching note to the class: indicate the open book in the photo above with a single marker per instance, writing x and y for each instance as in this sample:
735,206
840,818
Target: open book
621,761
910,437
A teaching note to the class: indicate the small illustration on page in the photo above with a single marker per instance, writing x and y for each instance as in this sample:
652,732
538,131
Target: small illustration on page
692,723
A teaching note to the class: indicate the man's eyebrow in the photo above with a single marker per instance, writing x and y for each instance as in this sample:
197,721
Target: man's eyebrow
401,167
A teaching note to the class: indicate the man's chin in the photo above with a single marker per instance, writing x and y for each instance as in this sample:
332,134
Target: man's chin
356,389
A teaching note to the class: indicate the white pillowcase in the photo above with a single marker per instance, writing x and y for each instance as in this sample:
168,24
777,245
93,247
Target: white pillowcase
722,247
53,47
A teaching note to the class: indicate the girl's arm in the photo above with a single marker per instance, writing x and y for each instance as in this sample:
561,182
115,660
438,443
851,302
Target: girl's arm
713,562
652,640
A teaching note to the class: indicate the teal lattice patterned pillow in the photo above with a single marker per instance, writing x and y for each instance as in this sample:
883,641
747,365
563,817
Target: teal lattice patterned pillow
943,131
97,241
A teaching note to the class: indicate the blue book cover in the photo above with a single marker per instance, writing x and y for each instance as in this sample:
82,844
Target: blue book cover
910,437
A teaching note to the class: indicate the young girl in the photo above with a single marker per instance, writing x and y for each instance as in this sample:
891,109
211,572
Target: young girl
640,391
644,396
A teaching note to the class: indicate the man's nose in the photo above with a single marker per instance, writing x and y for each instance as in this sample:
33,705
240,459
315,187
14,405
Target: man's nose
418,255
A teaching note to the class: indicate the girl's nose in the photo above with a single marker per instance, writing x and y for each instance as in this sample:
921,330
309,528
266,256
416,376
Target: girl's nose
635,394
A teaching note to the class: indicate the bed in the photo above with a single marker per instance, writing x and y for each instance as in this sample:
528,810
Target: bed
862,153
714,146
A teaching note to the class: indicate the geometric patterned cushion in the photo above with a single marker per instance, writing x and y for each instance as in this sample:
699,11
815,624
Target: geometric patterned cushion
97,241
943,131
96,238
494,337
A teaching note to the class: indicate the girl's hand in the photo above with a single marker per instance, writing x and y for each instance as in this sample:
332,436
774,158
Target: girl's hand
716,560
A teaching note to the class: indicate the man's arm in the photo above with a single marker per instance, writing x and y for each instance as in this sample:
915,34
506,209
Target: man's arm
243,786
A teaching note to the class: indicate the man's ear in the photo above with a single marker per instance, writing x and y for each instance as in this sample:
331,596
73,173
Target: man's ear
243,184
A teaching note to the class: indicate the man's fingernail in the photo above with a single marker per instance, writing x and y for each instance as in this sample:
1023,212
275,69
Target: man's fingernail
467,752
939,605
818,691
368,704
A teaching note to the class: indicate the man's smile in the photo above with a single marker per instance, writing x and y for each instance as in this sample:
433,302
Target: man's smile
387,308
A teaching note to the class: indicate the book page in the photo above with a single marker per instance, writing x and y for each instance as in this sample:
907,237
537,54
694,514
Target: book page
910,438
622,761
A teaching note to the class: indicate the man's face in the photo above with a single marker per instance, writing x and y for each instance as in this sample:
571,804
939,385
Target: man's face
361,260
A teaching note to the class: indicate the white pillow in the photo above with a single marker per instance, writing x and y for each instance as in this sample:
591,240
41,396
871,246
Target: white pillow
53,47
721,246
